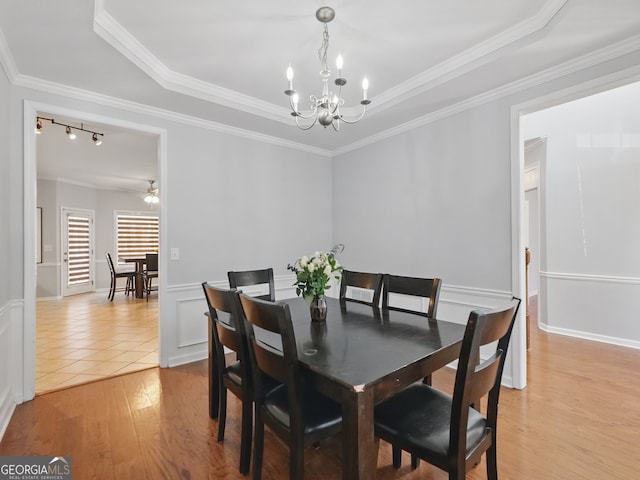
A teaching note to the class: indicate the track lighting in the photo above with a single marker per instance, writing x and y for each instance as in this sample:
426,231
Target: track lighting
69,129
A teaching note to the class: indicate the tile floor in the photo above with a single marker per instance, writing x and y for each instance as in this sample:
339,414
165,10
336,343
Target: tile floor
86,337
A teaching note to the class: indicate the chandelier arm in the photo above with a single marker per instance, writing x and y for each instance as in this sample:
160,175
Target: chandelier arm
302,127
364,109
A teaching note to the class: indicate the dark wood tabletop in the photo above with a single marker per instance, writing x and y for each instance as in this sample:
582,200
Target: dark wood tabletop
360,356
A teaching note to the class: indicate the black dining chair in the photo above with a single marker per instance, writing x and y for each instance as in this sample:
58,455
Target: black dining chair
362,281
227,329
413,287
447,431
294,411
115,275
246,278
149,273
416,287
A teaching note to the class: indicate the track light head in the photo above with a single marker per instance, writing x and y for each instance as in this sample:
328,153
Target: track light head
97,140
38,127
70,133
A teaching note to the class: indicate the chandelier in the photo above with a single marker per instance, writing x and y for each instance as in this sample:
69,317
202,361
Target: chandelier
326,108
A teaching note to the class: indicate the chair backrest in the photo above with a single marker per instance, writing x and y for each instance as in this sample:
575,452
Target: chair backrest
254,277
152,262
272,348
367,281
415,287
476,377
112,269
228,325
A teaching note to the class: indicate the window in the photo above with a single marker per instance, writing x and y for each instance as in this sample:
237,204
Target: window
136,234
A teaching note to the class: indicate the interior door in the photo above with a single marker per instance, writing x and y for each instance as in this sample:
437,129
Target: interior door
77,251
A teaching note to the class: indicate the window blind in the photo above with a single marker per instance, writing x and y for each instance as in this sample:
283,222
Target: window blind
79,250
136,235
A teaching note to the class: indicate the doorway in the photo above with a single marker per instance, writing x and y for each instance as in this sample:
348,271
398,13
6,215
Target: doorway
27,348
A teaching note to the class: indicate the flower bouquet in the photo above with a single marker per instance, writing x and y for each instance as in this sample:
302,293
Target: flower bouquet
312,280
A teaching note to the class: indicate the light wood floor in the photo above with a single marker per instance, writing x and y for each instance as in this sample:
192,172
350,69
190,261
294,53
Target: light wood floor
85,337
577,419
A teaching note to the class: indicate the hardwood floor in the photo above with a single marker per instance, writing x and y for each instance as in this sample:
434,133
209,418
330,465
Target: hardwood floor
83,338
577,419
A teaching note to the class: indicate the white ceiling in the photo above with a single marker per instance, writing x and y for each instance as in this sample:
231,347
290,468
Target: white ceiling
225,61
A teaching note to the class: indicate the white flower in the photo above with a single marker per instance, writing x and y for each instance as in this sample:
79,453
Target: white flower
311,267
303,261
327,270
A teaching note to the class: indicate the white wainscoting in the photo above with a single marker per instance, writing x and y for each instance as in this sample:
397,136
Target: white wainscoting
593,307
7,366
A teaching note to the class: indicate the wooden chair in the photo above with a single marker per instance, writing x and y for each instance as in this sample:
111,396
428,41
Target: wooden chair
294,411
447,431
227,330
367,281
149,273
415,287
254,277
115,275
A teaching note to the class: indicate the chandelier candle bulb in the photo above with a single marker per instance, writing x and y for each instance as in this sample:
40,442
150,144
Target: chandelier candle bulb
365,87
339,64
290,77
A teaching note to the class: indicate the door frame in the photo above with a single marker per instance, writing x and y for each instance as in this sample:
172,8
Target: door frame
25,347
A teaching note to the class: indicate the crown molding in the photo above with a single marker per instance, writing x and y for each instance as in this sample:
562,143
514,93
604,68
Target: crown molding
6,60
592,59
134,107
108,28
469,59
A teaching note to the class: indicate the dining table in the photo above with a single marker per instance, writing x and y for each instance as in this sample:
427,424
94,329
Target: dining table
358,357
140,262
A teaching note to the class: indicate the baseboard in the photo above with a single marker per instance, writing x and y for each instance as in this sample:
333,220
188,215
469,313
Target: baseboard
620,342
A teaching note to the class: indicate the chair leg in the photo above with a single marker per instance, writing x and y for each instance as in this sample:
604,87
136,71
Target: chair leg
245,441
396,453
112,289
415,461
258,447
222,415
296,461
492,463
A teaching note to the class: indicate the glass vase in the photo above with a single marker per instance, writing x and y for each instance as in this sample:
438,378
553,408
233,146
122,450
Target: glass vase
318,309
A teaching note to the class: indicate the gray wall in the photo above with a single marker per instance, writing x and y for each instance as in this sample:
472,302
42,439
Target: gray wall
434,201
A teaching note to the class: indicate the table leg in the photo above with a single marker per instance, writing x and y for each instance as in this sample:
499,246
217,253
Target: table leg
359,448
139,280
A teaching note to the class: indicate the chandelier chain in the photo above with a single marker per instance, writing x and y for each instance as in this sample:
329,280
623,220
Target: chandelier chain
324,48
